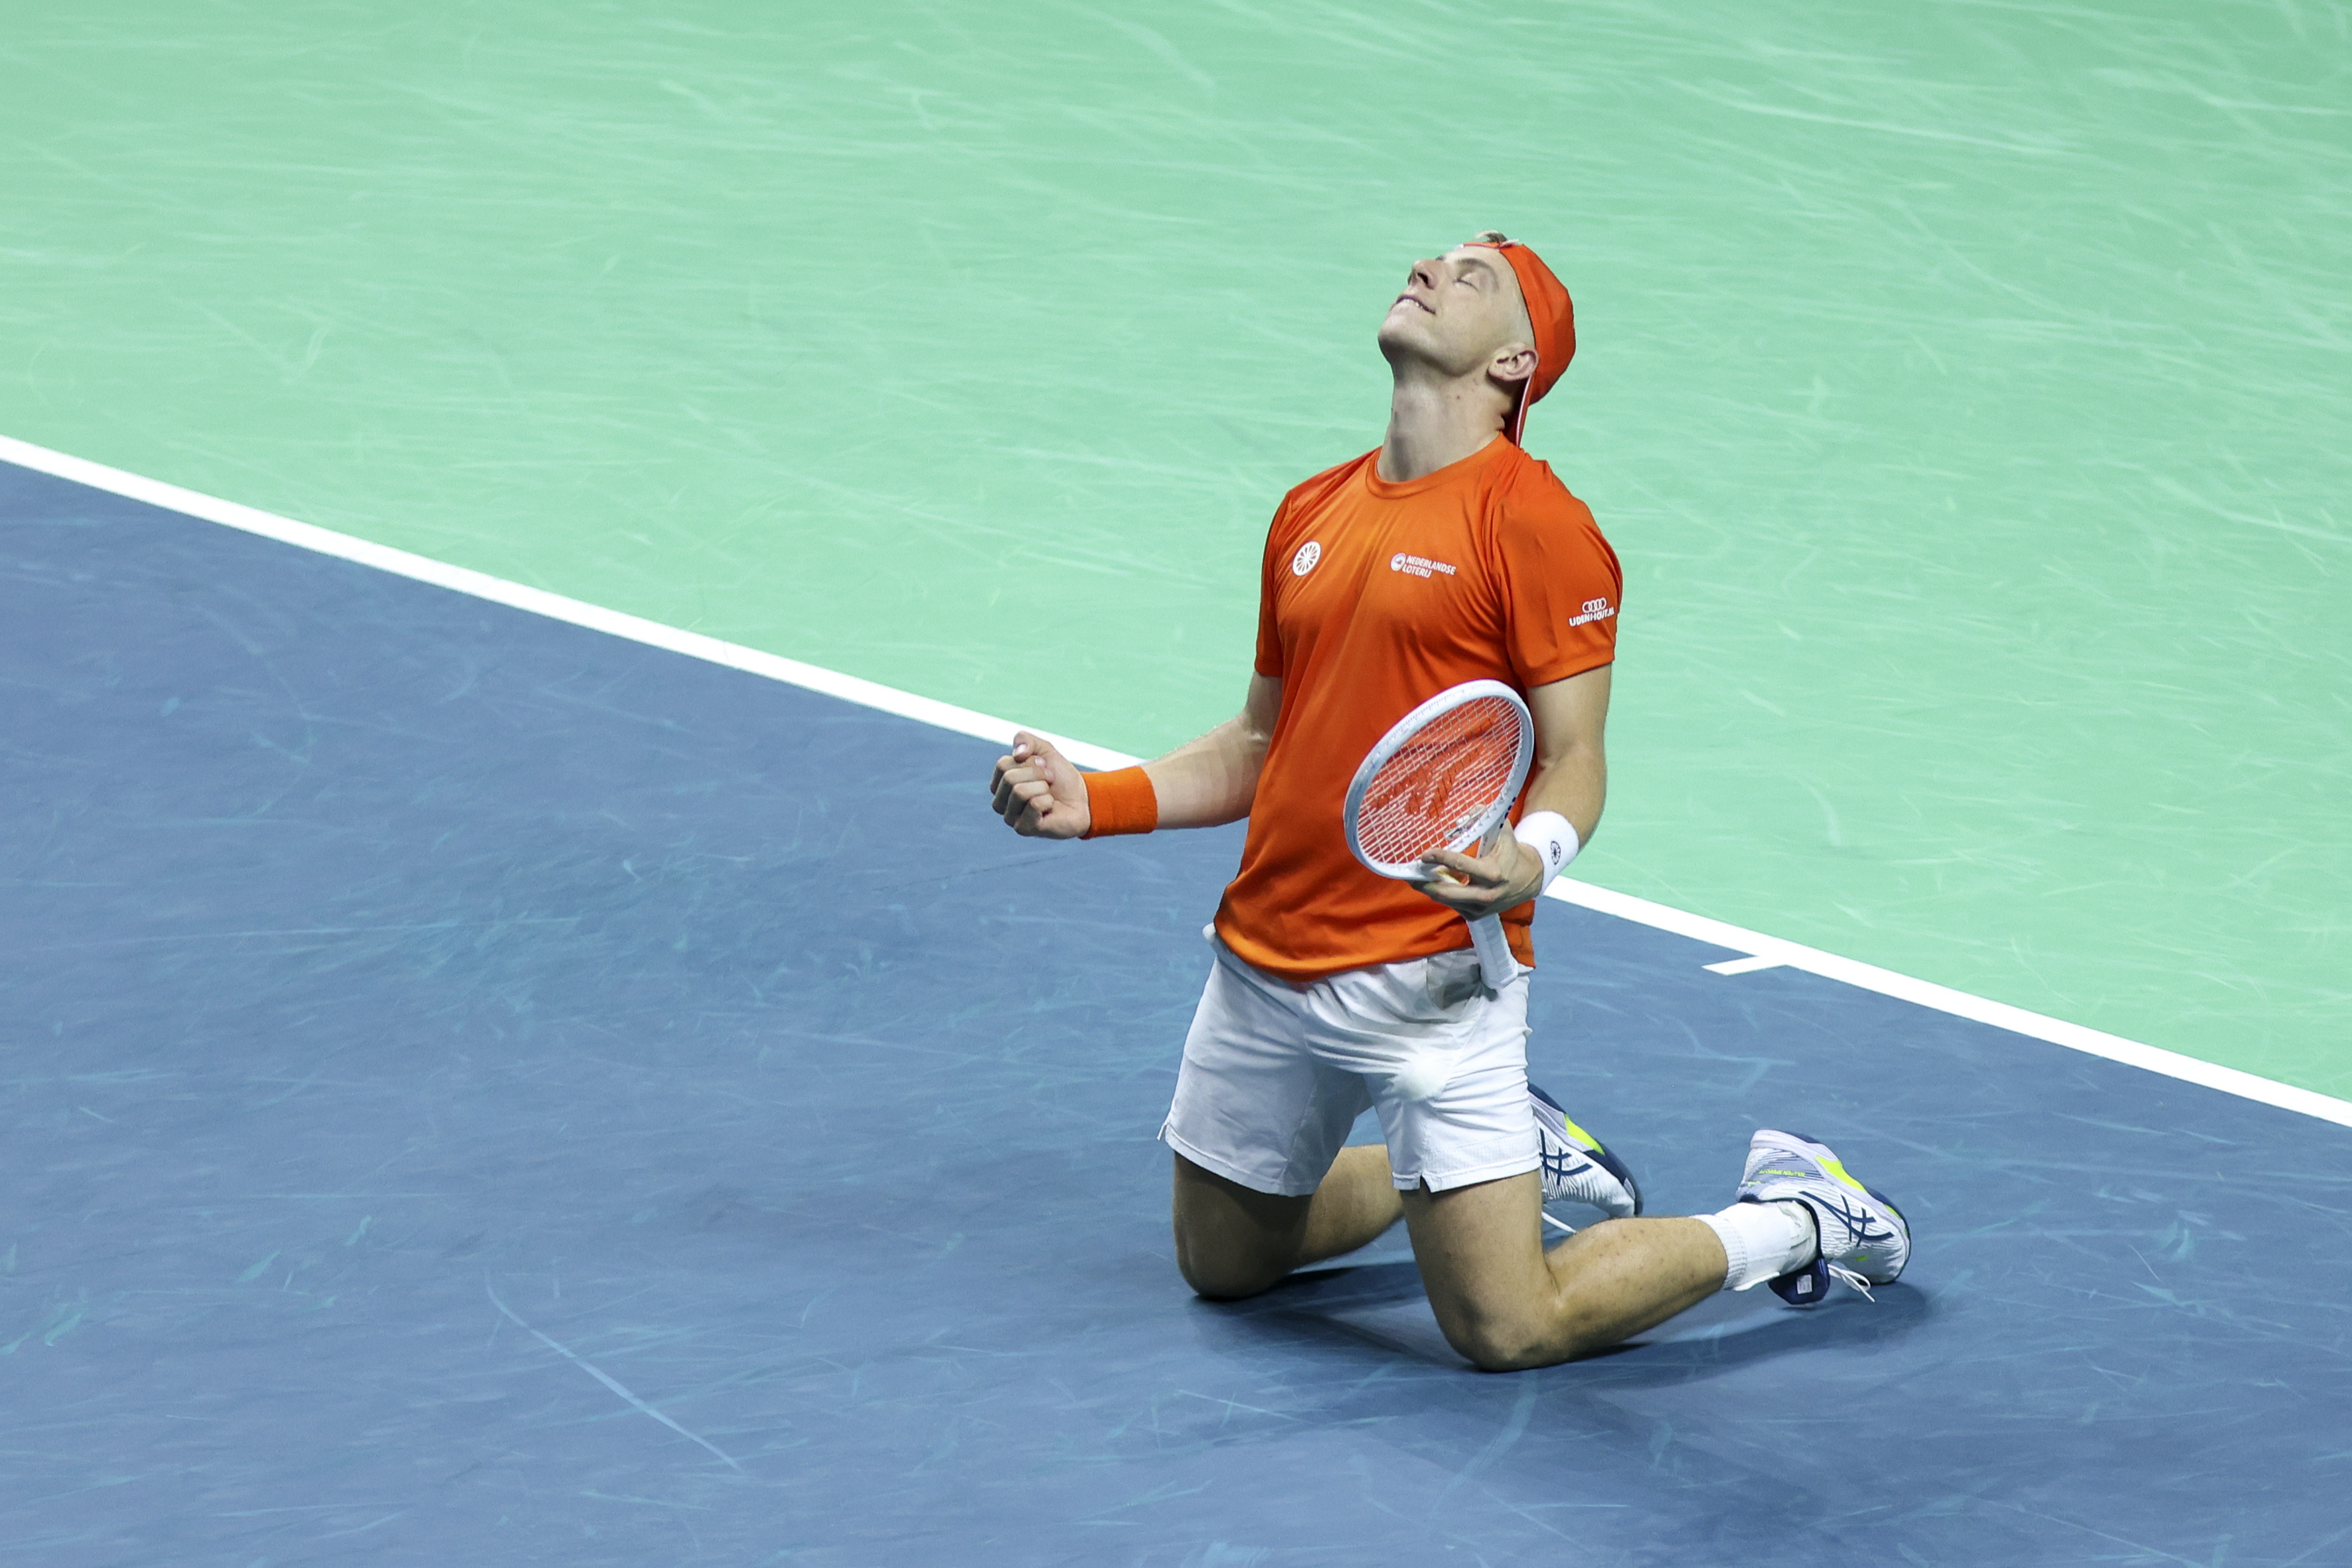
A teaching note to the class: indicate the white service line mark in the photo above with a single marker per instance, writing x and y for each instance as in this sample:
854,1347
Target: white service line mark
1775,951
967,721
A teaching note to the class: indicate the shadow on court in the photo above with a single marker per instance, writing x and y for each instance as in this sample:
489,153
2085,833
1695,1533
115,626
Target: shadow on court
1340,1307
482,1092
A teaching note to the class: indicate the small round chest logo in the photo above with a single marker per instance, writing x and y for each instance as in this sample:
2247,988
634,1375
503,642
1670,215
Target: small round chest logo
1396,561
1304,561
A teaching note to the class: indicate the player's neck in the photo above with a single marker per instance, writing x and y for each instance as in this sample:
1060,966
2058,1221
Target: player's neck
1435,422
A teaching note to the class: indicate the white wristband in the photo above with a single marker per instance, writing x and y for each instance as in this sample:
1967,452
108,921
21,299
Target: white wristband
1552,836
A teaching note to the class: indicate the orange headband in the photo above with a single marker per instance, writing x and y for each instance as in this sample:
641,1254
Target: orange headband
1550,312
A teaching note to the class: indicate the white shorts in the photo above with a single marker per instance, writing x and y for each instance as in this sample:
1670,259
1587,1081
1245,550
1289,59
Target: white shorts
1275,1073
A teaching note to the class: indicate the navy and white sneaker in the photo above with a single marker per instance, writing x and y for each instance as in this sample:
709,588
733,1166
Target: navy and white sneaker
1864,1239
1576,1168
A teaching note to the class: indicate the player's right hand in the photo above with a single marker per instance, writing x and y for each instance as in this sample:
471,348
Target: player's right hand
1039,792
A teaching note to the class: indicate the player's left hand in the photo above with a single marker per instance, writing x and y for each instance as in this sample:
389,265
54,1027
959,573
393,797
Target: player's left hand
1504,878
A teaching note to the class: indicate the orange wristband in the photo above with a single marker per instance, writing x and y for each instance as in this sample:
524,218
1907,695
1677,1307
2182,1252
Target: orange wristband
1121,801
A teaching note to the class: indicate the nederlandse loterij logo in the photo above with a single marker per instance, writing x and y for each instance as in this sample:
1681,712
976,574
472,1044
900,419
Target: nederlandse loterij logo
1594,610
1304,561
1418,565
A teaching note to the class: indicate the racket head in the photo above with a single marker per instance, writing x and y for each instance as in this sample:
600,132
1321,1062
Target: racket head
1443,777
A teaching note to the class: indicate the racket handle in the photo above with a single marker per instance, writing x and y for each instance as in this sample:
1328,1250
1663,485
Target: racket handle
1495,961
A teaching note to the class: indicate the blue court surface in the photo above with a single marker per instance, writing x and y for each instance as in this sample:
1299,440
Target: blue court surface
481,1091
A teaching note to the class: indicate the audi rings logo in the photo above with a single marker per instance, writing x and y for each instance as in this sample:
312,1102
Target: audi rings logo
1304,561
1593,610
1594,606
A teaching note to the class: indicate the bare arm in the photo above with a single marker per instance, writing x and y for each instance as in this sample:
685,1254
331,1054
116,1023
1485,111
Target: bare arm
1571,777
1042,794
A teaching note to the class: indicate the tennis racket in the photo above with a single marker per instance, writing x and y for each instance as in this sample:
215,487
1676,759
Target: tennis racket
1444,777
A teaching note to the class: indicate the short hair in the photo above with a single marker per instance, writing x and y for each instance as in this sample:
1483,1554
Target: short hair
1526,323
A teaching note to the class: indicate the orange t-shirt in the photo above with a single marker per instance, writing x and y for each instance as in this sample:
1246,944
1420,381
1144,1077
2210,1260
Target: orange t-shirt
1374,598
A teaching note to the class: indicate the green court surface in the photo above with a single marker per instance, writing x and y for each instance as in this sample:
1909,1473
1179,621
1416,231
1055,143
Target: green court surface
1964,387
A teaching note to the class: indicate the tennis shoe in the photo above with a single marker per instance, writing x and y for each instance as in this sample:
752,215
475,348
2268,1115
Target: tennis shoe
1864,1239
1576,1168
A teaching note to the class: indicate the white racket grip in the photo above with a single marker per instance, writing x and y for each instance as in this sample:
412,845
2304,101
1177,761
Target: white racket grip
1494,960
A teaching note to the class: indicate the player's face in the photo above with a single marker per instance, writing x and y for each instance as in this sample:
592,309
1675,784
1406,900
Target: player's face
1456,310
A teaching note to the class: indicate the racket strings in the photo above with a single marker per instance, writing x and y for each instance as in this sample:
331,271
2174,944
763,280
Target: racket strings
1439,786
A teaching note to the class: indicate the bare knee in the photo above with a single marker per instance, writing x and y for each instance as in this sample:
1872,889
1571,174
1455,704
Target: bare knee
1218,1275
1498,1329
1506,1344
1222,1261
1512,1334
1232,1242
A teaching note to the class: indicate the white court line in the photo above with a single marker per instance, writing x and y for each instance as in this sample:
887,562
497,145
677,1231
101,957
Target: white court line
539,601
1775,951
1772,952
1747,965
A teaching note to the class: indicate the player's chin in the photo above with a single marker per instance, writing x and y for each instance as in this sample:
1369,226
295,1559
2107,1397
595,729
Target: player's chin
1404,327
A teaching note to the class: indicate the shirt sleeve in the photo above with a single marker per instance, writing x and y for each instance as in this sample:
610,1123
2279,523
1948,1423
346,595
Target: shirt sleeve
1561,584
1269,633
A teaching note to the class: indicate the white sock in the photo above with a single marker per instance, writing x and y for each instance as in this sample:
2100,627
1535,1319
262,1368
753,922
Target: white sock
1764,1241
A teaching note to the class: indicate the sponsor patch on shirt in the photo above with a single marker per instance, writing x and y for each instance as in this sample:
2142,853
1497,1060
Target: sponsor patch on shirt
1418,565
1593,610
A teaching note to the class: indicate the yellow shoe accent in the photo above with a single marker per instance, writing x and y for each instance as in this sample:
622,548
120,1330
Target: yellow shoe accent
1837,1168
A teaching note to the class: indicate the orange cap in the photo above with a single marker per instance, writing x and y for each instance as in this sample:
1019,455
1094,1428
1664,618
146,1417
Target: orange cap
1551,313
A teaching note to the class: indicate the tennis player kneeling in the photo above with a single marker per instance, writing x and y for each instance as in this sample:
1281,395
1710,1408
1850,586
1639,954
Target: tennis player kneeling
1445,557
